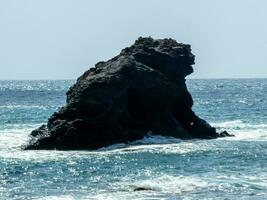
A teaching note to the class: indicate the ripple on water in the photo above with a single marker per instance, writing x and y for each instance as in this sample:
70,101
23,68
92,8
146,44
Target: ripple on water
155,167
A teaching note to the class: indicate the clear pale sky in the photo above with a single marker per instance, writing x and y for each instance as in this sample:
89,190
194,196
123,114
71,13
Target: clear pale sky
60,39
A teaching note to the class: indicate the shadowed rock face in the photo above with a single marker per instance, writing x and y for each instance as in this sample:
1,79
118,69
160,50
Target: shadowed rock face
140,91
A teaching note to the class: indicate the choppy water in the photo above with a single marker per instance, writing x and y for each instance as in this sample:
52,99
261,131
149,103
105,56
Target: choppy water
227,168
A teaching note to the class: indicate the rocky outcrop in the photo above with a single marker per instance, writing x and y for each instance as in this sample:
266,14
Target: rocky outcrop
140,91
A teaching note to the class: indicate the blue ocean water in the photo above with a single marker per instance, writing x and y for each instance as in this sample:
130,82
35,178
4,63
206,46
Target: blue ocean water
168,168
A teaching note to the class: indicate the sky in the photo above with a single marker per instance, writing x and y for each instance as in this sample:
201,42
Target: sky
60,39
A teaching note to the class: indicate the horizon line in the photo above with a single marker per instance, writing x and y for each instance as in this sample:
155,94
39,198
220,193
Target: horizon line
200,78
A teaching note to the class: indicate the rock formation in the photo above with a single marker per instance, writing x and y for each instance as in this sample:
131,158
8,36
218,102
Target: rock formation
140,91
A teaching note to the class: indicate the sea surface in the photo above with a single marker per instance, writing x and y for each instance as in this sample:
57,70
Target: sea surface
163,167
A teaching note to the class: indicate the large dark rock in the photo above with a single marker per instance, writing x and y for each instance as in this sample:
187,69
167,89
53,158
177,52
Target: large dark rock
140,91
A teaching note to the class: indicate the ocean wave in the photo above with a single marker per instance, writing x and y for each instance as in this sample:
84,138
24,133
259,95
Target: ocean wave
23,107
248,135
12,139
162,187
60,197
242,130
169,184
238,124
177,187
147,140
15,137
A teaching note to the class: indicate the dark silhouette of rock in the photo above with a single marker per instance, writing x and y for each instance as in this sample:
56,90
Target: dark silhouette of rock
138,189
140,91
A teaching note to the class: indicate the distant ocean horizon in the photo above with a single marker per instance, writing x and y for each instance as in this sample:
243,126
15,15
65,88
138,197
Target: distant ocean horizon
155,167
187,78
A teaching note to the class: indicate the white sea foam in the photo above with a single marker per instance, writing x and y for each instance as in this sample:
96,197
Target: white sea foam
152,188
171,184
22,107
238,124
14,138
11,141
242,130
159,144
249,135
62,197
152,140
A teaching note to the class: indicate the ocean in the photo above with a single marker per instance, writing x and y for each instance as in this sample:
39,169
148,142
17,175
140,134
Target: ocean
155,167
